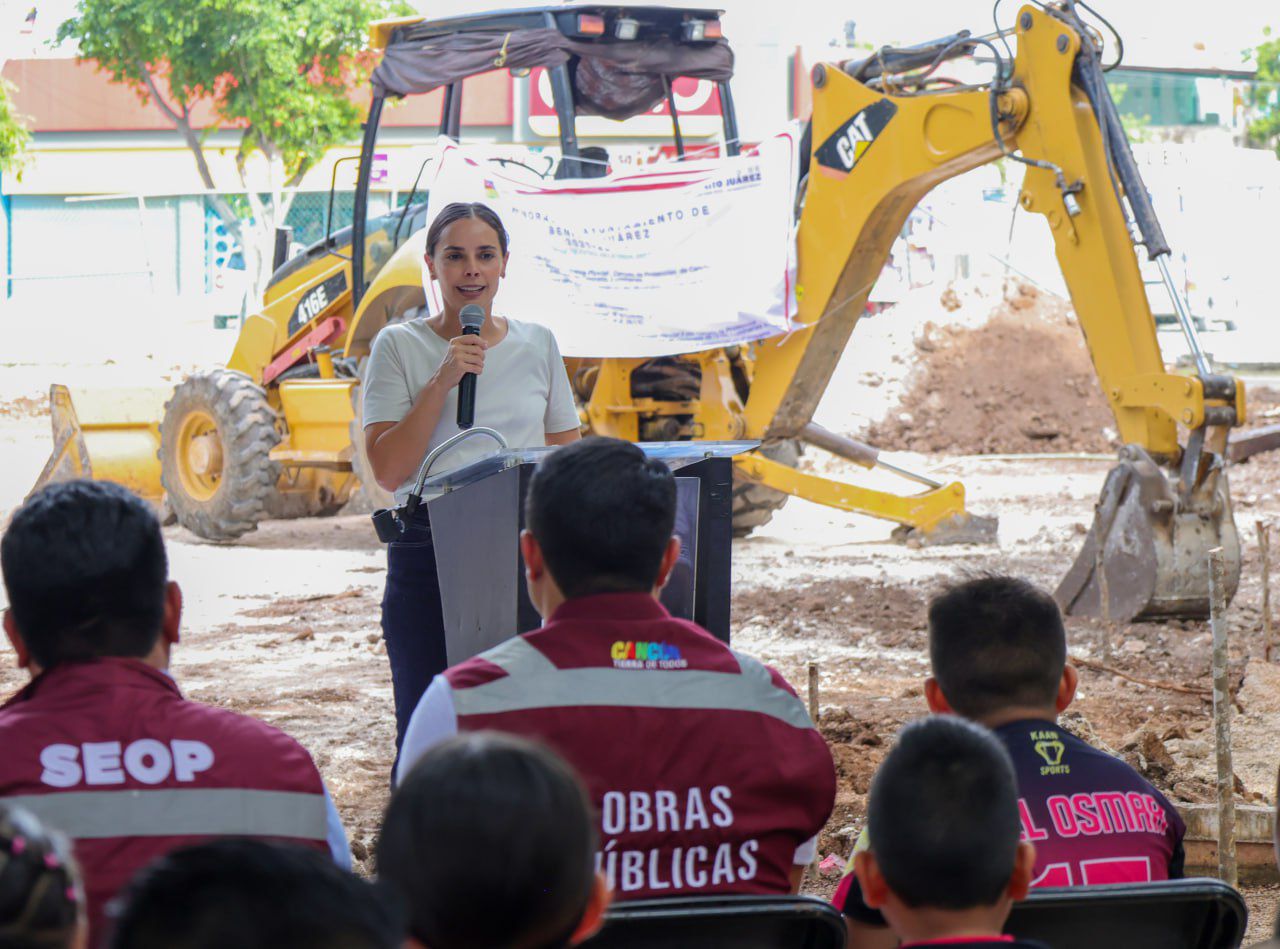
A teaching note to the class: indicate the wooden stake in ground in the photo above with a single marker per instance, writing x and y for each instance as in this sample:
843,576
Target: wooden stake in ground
1104,602
1222,718
813,690
1264,548
812,668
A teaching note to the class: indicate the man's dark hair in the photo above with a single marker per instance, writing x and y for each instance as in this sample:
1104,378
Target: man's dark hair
995,643
490,842
253,894
603,514
942,816
85,569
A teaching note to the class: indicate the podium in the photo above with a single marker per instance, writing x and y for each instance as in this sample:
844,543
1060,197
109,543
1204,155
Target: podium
477,519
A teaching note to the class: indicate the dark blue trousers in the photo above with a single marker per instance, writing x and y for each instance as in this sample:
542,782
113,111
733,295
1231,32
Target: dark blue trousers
412,622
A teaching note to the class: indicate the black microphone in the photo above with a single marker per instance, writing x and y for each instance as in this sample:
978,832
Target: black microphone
472,317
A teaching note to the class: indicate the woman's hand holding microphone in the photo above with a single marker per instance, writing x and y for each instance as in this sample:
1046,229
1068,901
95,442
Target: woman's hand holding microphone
465,354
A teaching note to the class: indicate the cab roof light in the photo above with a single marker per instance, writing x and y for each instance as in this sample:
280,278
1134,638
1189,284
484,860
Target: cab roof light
695,31
590,24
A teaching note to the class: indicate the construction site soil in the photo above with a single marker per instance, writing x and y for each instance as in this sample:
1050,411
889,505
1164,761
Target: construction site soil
284,624
1028,367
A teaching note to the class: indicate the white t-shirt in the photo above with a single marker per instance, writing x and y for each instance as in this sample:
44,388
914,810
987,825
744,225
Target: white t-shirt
523,392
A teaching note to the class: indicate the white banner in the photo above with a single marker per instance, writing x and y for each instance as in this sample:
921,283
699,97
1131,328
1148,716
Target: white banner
672,258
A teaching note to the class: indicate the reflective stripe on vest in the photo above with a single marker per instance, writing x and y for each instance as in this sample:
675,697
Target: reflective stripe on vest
534,681
89,815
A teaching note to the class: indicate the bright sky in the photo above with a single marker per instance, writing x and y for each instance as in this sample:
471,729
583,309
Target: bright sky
1212,36
1153,35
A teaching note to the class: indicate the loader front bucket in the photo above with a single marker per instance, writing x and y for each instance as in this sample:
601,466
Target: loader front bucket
110,434
1146,554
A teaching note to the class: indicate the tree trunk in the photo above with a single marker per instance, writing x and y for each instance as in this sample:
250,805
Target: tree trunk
256,236
181,119
260,237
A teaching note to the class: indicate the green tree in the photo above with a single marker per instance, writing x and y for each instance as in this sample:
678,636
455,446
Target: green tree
13,134
276,72
1263,95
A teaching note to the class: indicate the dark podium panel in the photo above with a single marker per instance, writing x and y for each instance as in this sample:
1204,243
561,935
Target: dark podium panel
476,524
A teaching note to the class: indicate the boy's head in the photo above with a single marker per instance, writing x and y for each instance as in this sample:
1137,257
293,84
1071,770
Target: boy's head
943,829
599,516
998,651
491,844
253,894
85,570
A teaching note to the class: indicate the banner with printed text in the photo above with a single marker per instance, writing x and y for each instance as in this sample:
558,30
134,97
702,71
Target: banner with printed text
672,258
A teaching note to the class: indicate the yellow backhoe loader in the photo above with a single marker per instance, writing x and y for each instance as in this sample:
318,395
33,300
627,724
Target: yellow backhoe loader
275,432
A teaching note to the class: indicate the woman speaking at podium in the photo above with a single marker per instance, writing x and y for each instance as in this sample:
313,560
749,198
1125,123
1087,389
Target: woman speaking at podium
410,407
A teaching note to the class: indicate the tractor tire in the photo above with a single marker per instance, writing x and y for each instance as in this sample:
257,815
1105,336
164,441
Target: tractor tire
215,442
753,503
368,496
673,380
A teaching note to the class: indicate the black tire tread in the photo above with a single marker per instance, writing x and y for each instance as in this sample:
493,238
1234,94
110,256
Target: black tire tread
754,504
248,427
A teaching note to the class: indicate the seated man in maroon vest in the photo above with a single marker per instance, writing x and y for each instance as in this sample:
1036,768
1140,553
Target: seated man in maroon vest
101,744
704,767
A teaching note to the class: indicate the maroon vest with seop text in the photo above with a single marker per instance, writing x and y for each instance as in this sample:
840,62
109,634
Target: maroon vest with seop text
112,755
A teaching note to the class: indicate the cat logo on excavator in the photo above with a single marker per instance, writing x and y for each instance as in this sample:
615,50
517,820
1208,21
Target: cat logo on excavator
847,144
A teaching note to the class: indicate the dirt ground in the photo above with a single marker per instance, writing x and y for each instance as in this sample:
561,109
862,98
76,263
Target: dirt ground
284,624
1028,365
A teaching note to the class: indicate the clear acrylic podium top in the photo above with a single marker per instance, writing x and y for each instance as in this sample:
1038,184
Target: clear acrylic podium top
675,454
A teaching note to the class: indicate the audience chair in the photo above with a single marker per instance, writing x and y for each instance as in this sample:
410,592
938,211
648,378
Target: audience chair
711,922
1173,914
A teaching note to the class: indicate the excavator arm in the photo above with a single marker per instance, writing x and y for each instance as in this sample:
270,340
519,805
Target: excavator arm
881,139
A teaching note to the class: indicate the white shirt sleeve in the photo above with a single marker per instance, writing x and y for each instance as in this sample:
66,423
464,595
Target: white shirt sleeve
562,412
337,835
434,720
385,389
806,852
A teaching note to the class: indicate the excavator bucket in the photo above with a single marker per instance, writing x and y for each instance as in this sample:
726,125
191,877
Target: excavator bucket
1146,554
111,434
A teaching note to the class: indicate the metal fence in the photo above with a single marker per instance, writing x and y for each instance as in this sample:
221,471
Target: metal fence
79,248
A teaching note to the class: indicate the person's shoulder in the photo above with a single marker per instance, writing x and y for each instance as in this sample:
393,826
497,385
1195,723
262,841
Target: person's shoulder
237,732
1038,739
712,654
534,334
14,718
479,670
1024,734
1098,757
409,332
700,646
527,328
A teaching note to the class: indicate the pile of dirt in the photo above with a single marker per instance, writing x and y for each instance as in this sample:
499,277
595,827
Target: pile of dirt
1262,406
1022,382
25,407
